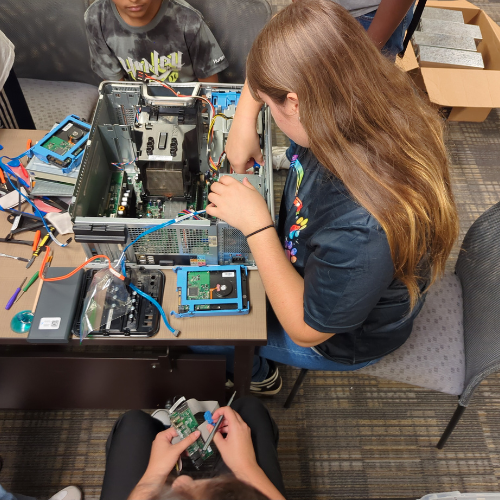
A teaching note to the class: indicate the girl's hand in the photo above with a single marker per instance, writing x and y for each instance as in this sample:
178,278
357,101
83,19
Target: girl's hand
239,204
243,146
164,455
236,448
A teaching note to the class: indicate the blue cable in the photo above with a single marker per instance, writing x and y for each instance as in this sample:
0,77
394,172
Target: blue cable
158,306
37,211
153,301
140,292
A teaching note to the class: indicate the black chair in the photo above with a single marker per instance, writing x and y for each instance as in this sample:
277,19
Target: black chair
455,341
52,57
235,24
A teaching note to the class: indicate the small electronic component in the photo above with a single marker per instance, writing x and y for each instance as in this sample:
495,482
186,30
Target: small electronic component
205,291
63,146
184,422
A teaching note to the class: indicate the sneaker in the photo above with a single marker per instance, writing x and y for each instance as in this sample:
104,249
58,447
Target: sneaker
269,387
68,493
280,161
163,416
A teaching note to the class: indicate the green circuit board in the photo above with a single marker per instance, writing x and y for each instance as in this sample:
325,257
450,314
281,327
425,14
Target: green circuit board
115,190
58,146
198,285
184,422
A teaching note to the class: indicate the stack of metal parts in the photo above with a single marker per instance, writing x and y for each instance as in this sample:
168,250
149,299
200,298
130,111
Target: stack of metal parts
444,40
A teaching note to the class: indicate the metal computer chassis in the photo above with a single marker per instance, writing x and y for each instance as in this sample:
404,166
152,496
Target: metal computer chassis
191,242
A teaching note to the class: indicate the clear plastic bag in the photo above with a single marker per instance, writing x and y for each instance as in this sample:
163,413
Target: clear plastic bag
107,299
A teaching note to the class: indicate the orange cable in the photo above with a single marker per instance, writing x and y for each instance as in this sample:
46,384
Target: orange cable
74,270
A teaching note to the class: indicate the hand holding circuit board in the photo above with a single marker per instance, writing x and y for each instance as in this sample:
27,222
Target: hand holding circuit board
164,454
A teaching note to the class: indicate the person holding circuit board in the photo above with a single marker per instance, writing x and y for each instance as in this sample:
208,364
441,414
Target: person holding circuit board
140,456
367,218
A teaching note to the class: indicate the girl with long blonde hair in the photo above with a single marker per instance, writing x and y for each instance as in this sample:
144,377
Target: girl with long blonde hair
367,219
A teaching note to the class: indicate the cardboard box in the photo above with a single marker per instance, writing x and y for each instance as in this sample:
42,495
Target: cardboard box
465,94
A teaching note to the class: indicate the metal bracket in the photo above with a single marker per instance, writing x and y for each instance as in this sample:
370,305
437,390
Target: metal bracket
166,362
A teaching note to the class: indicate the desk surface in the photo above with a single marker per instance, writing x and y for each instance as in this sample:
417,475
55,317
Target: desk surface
227,330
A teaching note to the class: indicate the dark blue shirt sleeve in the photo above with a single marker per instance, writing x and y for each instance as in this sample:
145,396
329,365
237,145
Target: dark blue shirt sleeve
345,276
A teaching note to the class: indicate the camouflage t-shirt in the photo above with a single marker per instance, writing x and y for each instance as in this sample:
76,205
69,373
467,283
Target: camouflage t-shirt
176,45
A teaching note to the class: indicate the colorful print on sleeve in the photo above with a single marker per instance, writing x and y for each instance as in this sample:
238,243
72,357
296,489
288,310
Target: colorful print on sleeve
291,238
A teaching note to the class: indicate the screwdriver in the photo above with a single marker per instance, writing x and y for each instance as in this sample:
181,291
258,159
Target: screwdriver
216,427
13,298
30,282
2,179
36,239
36,253
13,257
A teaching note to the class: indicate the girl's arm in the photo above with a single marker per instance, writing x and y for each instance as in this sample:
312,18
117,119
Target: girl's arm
284,287
243,146
241,206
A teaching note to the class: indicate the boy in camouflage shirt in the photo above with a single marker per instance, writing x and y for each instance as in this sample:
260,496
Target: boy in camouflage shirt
167,40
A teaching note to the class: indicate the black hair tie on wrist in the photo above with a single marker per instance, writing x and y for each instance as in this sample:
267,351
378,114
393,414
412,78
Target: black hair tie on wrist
259,230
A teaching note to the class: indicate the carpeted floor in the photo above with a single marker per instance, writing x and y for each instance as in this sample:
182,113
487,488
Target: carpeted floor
347,436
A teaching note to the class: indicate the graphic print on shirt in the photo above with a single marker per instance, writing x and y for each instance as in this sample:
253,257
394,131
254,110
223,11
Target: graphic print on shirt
161,67
300,221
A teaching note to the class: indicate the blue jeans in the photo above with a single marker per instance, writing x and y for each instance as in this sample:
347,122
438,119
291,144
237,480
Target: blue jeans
282,349
5,495
395,44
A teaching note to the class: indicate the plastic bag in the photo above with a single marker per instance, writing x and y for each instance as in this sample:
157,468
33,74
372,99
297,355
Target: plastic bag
107,299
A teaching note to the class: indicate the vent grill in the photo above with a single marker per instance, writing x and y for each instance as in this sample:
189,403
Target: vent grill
163,241
234,241
194,241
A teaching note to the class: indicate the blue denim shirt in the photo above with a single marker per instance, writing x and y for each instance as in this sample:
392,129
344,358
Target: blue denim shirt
343,254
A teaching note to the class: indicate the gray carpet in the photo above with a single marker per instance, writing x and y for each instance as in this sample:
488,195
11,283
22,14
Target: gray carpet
347,436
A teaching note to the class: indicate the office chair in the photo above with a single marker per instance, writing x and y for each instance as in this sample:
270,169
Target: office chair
455,341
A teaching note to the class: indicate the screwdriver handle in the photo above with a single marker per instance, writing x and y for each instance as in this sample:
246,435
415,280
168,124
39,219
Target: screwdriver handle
41,244
31,281
36,240
12,299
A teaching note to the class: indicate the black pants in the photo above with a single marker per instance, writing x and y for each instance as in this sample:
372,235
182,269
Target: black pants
129,446
14,111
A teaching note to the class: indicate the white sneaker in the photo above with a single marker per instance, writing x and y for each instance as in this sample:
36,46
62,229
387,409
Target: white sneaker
68,493
163,416
280,161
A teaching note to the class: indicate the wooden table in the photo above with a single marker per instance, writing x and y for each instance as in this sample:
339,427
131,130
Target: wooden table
115,369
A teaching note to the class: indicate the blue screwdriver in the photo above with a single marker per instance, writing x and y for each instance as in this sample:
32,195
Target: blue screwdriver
14,297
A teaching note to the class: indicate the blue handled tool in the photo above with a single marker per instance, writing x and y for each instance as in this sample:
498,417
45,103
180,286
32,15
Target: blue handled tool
14,297
216,427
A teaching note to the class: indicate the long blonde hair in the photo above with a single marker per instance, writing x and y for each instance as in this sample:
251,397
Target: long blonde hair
367,124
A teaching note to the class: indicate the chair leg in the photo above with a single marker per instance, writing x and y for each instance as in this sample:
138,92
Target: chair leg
295,388
451,425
